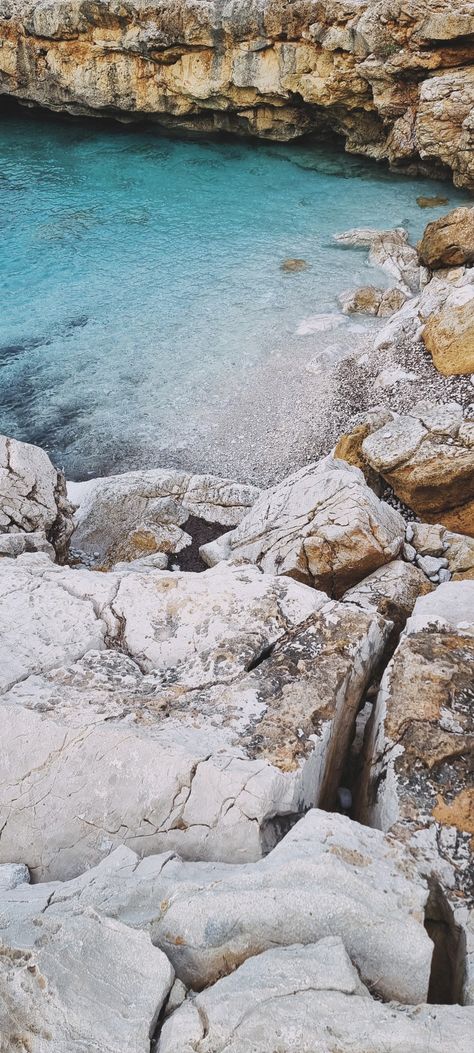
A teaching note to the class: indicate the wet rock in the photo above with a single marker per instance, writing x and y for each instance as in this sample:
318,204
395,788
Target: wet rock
200,681
449,241
427,459
82,982
431,202
449,337
369,300
327,877
136,514
294,265
293,998
417,781
323,525
32,498
390,250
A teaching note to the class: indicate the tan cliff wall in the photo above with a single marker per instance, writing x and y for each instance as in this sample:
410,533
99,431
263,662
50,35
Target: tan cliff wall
395,78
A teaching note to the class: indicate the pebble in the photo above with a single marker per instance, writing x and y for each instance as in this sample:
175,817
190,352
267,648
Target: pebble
409,553
431,564
444,575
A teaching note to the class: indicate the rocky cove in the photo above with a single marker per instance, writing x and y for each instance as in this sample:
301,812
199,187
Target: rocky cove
236,668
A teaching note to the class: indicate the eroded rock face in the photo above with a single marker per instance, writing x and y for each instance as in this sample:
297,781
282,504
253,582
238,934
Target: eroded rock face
125,517
323,525
392,592
32,499
418,780
427,457
396,82
449,241
236,693
293,998
327,877
84,982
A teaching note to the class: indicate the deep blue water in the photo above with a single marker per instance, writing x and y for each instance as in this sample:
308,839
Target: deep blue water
140,274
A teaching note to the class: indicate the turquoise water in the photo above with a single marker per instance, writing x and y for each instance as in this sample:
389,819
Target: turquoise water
140,275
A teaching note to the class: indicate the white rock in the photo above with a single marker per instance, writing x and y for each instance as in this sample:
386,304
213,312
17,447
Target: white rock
297,999
84,983
327,877
32,494
322,525
431,565
12,875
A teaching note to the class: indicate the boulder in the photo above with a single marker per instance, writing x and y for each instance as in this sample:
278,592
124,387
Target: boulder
442,290
449,337
33,497
170,710
130,516
81,983
323,525
417,782
449,241
369,300
327,877
426,456
299,998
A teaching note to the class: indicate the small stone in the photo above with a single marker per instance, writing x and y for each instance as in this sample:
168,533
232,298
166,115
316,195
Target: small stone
444,574
409,553
431,564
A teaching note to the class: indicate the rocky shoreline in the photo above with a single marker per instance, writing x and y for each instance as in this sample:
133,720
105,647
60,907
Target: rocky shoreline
245,794
395,83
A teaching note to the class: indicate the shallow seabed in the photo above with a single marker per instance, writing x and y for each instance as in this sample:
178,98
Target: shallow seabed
144,312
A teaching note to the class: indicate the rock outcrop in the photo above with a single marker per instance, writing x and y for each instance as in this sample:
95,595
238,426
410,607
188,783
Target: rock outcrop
323,526
327,877
200,680
395,82
449,337
426,456
126,517
419,764
32,500
299,998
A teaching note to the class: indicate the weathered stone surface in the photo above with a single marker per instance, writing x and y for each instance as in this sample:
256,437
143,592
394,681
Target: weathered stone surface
300,998
125,517
392,591
379,76
323,525
169,710
33,496
449,337
445,289
449,241
420,749
82,983
369,300
13,545
12,875
327,877
426,456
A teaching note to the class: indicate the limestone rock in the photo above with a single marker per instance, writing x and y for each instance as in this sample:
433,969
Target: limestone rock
327,877
13,545
295,998
33,496
427,458
449,337
12,875
418,772
170,710
395,83
129,516
392,591
85,982
323,525
449,241
390,250
457,549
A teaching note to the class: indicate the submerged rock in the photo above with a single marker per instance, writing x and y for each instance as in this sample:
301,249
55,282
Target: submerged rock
323,525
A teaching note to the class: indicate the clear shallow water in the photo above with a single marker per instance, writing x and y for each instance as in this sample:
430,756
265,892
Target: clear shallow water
140,276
